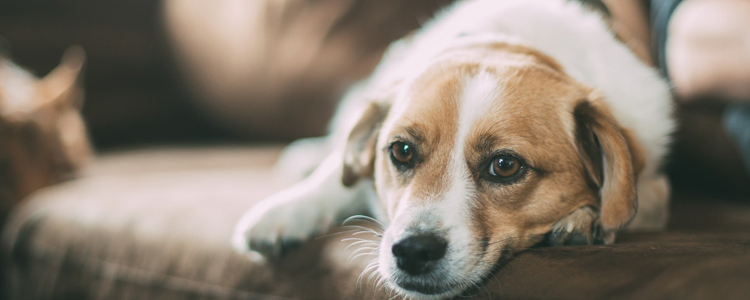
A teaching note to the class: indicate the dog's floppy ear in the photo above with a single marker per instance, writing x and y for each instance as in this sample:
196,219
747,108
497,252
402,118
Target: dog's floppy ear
359,153
612,159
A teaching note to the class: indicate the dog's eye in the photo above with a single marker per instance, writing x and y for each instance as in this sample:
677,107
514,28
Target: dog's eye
401,153
504,166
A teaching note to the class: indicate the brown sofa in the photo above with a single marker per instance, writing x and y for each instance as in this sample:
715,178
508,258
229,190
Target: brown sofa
155,224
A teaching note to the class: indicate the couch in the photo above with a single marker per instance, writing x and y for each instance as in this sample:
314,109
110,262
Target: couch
155,224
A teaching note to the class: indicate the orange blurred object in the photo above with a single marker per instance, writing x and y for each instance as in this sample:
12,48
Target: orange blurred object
43,139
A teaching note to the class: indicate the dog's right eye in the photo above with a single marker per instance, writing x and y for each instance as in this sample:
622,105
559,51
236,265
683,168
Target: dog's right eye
402,154
505,169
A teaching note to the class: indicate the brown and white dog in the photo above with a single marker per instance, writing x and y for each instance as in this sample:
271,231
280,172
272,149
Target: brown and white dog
498,125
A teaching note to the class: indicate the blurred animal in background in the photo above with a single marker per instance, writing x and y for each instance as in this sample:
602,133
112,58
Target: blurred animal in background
43,138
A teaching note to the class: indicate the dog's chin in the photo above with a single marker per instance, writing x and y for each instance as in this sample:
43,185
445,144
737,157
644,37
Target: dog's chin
421,290
428,291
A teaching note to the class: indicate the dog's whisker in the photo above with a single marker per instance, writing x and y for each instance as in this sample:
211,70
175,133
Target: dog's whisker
337,233
366,250
361,275
480,288
370,232
376,283
379,279
379,284
371,276
356,226
371,270
364,218
348,246
360,228
363,254
360,255
368,247
360,242
353,239
371,266
356,239
352,218
355,255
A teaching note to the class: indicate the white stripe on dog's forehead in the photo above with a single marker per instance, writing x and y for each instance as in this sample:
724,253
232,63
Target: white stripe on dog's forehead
452,208
479,92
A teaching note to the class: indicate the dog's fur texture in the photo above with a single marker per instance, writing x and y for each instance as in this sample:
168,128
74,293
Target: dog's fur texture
543,81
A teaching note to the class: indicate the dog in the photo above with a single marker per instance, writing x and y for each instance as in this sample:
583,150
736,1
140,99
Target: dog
499,125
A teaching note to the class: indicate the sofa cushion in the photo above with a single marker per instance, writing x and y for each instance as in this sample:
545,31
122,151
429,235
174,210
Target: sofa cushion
156,224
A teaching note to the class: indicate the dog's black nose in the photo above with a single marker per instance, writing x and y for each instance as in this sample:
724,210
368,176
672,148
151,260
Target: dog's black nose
416,254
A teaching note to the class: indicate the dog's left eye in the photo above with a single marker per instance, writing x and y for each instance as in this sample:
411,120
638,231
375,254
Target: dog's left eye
402,155
504,166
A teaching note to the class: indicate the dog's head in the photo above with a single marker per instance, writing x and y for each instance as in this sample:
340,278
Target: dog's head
478,156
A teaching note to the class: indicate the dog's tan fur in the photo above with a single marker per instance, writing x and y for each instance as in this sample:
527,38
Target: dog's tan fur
527,121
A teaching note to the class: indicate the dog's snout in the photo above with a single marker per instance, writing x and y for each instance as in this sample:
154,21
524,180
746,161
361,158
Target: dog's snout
416,254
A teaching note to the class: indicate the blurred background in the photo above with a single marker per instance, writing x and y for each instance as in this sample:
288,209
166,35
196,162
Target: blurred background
194,71
157,90
234,71
133,92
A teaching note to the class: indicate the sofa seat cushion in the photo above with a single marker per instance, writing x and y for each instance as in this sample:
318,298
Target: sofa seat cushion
156,224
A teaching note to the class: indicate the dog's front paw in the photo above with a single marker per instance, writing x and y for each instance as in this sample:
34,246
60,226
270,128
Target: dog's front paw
581,227
273,229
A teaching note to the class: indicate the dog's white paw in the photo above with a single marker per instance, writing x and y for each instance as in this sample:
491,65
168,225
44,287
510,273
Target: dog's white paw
288,218
581,227
274,226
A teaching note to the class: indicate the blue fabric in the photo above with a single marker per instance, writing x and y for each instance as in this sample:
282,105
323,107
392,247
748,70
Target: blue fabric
737,123
661,13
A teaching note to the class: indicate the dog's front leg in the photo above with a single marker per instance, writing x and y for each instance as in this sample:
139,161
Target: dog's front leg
287,218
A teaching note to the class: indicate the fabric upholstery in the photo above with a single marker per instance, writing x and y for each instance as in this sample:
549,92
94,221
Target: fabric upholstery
155,224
